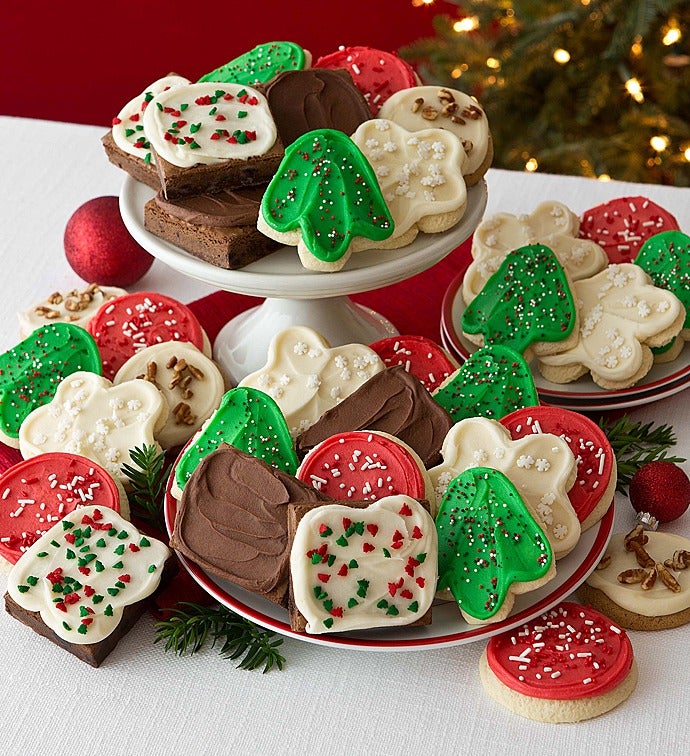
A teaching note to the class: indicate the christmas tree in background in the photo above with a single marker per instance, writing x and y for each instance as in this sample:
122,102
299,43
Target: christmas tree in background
597,88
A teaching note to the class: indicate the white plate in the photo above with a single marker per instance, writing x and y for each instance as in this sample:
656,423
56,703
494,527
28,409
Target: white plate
281,274
448,627
663,379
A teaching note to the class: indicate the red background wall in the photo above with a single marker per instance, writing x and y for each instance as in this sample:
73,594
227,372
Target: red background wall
82,61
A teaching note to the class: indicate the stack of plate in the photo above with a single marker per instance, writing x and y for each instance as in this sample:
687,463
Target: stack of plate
662,381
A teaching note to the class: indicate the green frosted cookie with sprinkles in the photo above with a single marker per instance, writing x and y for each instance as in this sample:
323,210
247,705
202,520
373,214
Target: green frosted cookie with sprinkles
666,258
249,420
526,302
261,64
31,371
325,199
489,545
492,382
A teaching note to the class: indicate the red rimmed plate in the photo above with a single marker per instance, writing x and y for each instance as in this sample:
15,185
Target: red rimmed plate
448,627
662,380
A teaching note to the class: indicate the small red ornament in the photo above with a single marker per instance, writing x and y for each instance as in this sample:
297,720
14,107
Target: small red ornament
660,489
99,248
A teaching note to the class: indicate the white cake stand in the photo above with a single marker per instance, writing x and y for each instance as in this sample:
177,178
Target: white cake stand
294,295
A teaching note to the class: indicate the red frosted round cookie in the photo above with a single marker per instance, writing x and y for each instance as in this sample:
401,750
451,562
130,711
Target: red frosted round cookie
377,74
572,656
361,465
125,325
420,356
621,226
38,492
592,493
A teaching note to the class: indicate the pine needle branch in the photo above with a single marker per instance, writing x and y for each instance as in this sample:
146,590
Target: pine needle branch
148,478
636,444
191,625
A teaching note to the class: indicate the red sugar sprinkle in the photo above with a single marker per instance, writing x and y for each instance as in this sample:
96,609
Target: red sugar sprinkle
89,591
416,532
251,135
346,522
116,121
323,577
133,547
232,140
367,547
337,611
70,537
420,582
220,117
134,117
214,137
405,510
60,605
125,578
406,594
97,514
397,536
87,620
343,570
373,529
84,570
55,576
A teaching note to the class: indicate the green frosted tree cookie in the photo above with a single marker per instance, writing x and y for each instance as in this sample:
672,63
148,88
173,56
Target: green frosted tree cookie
31,371
492,382
249,420
326,190
488,542
260,64
527,300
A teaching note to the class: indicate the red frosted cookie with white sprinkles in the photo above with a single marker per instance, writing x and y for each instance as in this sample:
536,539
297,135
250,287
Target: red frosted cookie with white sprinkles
365,465
569,664
592,493
421,357
621,226
127,324
38,492
377,74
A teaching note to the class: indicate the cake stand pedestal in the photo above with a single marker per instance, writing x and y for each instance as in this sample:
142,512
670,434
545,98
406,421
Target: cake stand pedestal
294,295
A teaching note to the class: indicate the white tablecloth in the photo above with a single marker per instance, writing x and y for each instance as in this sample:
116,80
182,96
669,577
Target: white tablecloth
325,701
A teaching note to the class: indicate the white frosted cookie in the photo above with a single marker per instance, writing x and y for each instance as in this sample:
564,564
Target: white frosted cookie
382,569
128,126
191,383
75,307
187,125
91,417
621,316
643,587
306,377
420,175
541,467
427,107
550,223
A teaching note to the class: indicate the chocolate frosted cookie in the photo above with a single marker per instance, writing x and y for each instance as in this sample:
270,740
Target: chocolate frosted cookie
393,402
218,227
232,520
301,101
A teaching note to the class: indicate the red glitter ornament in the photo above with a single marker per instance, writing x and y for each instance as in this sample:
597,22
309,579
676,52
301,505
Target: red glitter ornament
99,248
662,489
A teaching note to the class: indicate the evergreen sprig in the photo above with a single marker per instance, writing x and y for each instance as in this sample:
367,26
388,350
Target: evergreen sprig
636,444
148,476
191,625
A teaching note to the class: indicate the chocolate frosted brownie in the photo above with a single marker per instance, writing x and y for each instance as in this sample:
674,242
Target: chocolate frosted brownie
232,520
219,228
